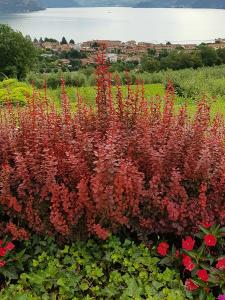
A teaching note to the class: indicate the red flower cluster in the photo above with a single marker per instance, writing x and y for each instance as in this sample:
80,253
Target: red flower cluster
188,263
163,248
221,264
3,251
206,225
2,263
188,244
131,162
210,240
206,269
190,285
203,275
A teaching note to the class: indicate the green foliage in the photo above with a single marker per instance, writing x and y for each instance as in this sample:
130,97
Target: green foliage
150,64
178,58
14,92
54,80
17,53
209,55
106,270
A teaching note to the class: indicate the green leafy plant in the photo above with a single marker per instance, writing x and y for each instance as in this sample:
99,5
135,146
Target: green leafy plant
91,270
14,92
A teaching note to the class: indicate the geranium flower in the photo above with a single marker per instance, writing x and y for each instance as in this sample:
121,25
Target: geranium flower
9,246
203,275
188,263
190,285
2,251
206,225
188,243
210,240
221,264
221,297
163,249
2,263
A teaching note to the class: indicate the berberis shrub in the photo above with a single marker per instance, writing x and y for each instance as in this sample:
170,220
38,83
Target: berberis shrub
128,164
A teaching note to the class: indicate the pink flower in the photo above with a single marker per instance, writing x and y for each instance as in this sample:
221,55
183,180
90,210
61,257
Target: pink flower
188,243
221,297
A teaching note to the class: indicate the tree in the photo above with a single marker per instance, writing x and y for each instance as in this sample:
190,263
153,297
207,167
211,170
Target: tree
72,41
150,64
17,53
95,45
64,41
221,55
196,59
151,52
209,55
50,40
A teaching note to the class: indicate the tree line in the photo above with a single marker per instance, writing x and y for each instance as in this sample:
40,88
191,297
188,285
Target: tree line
180,59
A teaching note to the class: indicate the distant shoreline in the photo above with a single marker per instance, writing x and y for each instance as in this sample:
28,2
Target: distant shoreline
110,7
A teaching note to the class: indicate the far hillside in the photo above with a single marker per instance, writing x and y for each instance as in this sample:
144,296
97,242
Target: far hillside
11,6
136,3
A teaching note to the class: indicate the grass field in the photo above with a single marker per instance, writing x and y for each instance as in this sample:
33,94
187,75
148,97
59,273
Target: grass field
151,90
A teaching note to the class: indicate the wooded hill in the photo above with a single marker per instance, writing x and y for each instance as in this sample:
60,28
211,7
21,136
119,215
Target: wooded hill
8,6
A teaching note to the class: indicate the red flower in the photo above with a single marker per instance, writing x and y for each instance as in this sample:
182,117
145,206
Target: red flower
188,243
203,275
1,242
206,224
210,240
9,246
188,263
163,248
2,263
2,251
190,285
177,253
221,264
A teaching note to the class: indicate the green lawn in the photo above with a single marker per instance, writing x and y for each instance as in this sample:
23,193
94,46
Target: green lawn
151,90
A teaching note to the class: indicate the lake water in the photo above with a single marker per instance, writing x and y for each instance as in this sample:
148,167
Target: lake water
152,25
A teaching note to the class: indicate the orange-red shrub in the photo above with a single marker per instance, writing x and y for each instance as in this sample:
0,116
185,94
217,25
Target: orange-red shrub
129,163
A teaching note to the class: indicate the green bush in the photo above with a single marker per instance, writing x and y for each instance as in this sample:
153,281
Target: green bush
103,270
13,91
189,83
53,80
